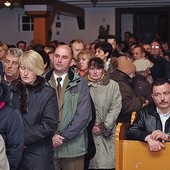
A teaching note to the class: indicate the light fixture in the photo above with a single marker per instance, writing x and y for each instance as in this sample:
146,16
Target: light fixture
7,3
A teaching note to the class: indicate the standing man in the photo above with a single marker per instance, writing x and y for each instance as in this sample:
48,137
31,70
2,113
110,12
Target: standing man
70,140
11,65
152,123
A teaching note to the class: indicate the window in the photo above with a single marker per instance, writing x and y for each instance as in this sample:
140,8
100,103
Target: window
26,23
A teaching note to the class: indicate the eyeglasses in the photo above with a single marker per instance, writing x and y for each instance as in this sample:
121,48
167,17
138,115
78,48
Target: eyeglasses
159,95
155,46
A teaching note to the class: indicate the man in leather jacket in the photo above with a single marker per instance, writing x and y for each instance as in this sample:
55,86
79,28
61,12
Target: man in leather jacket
152,123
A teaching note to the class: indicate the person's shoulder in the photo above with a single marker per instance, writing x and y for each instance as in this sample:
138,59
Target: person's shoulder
48,89
148,109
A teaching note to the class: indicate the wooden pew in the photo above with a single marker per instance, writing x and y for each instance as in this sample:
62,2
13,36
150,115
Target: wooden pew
135,155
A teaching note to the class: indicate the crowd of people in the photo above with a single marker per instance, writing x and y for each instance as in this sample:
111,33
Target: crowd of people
60,104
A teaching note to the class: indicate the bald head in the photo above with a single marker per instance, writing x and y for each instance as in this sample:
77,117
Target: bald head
62,59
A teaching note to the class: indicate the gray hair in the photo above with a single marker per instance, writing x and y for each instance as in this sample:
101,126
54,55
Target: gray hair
16,52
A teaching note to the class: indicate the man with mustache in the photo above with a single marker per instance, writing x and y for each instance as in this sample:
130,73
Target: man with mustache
152,123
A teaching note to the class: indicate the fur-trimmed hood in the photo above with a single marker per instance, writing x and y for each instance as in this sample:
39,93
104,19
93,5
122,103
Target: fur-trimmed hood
104,81
22,89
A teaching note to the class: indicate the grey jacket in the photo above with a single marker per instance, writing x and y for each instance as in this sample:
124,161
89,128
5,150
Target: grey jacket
75,115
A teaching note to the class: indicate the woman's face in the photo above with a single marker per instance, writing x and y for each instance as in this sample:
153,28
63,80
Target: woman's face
96,73
100,53
27,75
83,63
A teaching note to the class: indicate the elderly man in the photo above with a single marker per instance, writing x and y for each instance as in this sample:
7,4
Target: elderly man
11,65
70,140
152,123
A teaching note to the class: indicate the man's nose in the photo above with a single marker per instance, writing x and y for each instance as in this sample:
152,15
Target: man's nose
162,97
59,59
9,65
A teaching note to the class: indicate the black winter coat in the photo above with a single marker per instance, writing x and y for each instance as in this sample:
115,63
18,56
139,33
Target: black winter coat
11,129
146,122
38,106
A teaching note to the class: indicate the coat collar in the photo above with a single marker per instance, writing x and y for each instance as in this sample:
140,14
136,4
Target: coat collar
23,90
104,81
72,76
18,85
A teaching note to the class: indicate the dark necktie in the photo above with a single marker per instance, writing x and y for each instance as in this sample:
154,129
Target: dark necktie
59,85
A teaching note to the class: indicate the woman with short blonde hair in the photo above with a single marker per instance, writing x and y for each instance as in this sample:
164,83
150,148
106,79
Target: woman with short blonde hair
38,106
33,61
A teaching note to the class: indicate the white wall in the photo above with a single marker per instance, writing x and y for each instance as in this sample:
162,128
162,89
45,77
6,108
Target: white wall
94,17
9,32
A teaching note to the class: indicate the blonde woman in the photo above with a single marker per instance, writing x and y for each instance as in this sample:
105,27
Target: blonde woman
37,103
83,59
3,52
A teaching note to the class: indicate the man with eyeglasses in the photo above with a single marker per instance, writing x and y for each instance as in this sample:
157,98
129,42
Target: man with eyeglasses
152,123
161,68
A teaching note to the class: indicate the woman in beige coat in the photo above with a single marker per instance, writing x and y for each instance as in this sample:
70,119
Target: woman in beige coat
107,100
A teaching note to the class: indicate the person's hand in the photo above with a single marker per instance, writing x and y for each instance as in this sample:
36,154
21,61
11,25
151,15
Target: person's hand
159,135
146,103
96,130
57,140
154,145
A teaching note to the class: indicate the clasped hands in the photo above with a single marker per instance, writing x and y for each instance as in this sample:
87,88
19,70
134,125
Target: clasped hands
155,140
57,140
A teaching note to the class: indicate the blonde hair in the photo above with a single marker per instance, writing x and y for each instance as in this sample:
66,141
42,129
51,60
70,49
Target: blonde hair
33,60
85,53
4,47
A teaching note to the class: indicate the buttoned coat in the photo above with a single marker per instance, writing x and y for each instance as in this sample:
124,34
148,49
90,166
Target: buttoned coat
38,106
107,101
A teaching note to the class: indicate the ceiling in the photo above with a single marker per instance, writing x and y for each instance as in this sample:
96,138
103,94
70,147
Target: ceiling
101,3
118,3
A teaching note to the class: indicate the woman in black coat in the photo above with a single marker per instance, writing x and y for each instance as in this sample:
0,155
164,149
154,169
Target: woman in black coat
37,103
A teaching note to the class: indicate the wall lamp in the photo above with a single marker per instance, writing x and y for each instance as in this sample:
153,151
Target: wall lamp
7,3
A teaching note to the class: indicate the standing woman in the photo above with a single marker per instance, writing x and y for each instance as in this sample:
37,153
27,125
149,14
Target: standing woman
37,103
107,101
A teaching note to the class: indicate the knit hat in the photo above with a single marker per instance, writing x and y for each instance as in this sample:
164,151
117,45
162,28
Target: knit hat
142,64
125,65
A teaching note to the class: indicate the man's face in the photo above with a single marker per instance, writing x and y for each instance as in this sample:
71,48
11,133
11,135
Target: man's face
100,53
62,59
137,53
161,97
113,43
22,46
77,47
11,66
156,49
